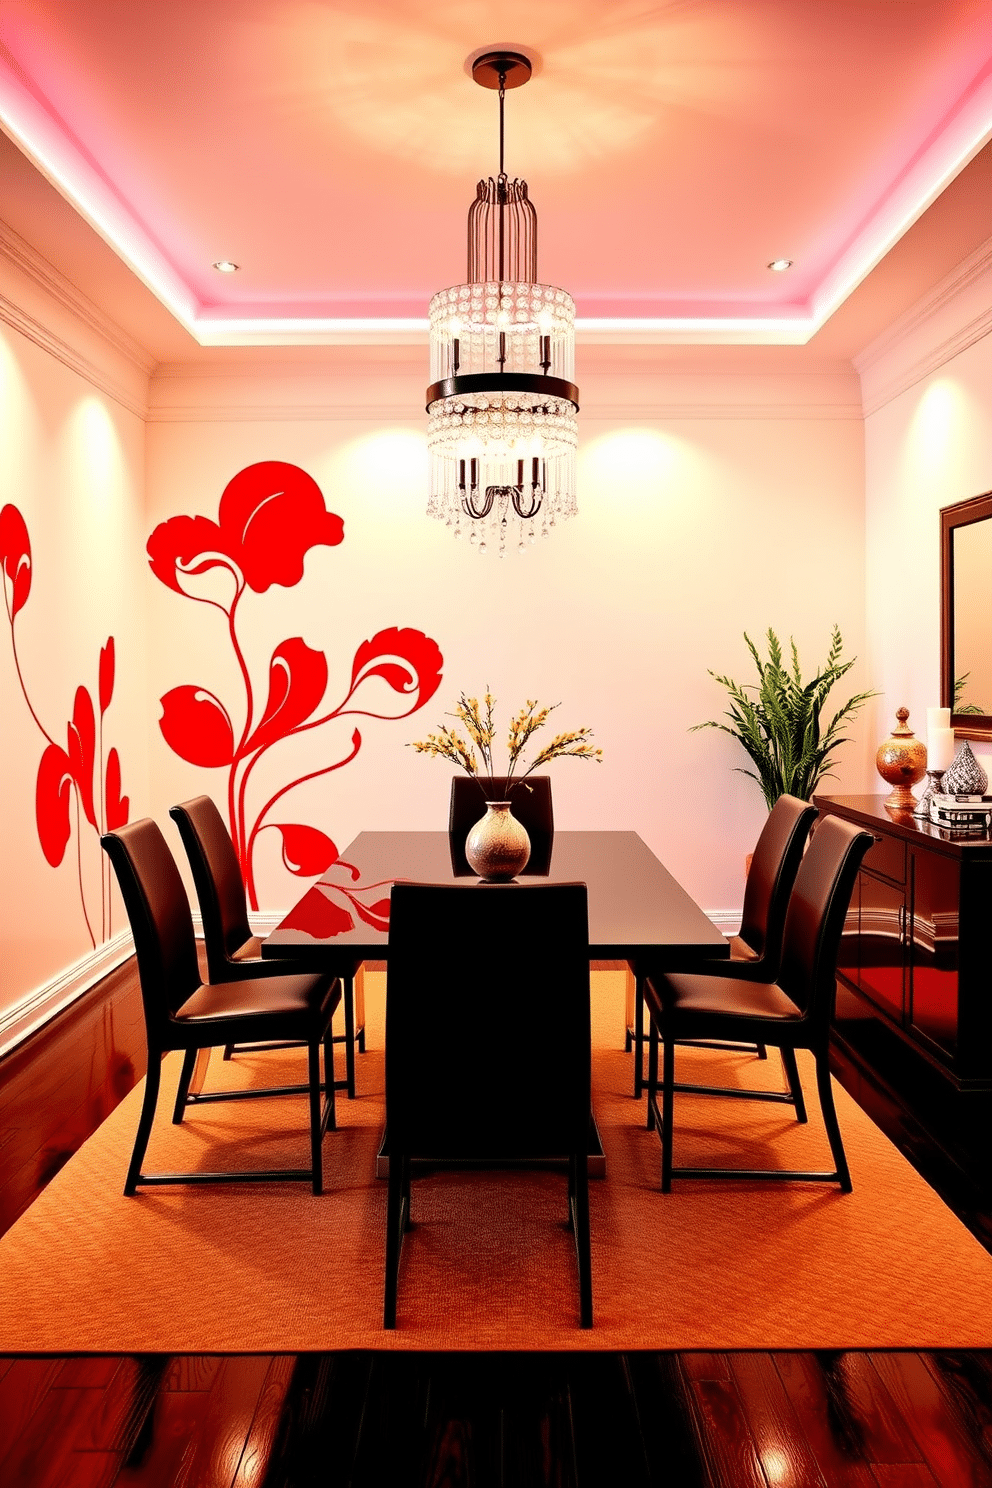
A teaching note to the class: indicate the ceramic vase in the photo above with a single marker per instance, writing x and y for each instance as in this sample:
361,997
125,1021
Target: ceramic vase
965,776
901,761
497,847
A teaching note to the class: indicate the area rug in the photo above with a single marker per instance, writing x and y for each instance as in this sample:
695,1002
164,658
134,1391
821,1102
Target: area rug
490,1264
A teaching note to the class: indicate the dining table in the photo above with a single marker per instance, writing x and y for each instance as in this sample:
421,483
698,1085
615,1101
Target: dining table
638,913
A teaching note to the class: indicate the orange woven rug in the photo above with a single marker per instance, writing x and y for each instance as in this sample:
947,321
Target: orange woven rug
490,1264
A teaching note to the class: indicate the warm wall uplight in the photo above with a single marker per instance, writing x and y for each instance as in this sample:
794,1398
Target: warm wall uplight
780,265
225,266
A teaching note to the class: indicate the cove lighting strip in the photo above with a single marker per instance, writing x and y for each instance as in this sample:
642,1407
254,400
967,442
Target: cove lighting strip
26,120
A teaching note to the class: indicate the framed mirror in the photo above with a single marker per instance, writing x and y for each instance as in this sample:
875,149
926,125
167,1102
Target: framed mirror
966,616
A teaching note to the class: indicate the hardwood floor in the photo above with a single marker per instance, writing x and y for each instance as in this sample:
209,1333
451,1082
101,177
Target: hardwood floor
361,1420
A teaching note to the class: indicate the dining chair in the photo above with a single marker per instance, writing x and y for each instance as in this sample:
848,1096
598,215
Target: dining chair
756,949
182,1012
487,1043
792,1012
530,801
233,953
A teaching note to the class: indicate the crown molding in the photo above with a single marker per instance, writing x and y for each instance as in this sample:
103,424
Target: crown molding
924,315
33,329
64,292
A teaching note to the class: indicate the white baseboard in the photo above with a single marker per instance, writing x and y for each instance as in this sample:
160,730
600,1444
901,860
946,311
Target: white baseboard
39,1006
42,1004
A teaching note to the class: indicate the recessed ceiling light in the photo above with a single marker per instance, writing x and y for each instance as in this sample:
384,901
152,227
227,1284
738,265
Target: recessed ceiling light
225,266
778,264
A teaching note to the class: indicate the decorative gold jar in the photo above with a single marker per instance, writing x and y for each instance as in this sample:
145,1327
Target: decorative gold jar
902,762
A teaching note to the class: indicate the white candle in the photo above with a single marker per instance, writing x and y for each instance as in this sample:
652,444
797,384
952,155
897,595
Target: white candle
940,747
937,718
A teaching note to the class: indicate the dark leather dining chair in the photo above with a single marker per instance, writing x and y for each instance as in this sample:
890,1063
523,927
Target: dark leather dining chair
792,1012
757,947
487,1042
181,1012
530,802
233,953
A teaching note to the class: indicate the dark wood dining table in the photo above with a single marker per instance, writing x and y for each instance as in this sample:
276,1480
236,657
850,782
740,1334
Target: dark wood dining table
638,913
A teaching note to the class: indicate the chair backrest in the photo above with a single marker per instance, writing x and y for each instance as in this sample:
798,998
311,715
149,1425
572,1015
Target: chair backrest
161,923
219,885
530,800
487,1020
814,921
774,865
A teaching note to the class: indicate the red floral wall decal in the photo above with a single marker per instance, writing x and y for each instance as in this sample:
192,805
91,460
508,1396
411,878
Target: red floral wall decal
66,776
271,515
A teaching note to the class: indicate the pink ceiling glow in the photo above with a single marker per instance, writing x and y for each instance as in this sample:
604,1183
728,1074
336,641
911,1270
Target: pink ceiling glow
331,149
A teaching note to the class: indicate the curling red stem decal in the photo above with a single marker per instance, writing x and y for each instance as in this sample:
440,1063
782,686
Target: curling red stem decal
270,516
66,776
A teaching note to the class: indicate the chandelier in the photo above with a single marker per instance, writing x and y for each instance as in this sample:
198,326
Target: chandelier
501,408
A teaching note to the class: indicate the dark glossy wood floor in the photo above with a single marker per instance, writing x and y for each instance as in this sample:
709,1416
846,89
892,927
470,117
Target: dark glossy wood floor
758,1420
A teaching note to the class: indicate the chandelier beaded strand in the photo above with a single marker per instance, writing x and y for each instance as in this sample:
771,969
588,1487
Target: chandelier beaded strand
501,408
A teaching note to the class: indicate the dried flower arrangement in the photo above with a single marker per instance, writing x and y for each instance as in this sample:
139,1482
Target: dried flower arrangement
480,727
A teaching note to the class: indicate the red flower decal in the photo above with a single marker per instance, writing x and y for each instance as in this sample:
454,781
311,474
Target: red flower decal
319,916
82,750
106,675
15,556
305,851
376,915
407,659
51,803
271,515
175,545
197,726
297,679
118,806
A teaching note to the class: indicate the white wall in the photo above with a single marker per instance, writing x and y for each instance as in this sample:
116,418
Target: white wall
708,506
928,444
72,463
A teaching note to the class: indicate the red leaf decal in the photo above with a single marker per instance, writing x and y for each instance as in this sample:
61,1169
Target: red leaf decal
305,851
297,679
82,750
407,659
271,515
319,916
376,915
175,545
106,675
118,806
51,803
15,556
196,726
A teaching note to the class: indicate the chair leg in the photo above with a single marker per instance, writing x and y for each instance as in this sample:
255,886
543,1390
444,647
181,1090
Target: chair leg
229,1050
398,1189
316,1166
762,1051
795,1084
830,1120
652,1072
638,1037
182,1094
153,1080
330,1119
579,1176
349,1032
667,1113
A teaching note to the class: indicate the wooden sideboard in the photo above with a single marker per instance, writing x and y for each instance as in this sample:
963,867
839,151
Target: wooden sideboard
914,985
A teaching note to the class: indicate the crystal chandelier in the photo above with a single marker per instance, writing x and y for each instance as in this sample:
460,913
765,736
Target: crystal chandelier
501,407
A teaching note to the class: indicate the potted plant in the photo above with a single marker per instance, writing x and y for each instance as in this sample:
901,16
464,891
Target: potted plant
777,720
